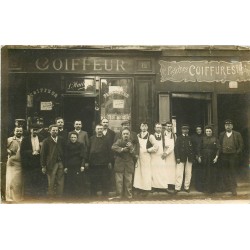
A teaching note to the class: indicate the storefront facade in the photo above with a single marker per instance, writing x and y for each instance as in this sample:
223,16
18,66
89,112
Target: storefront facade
195,85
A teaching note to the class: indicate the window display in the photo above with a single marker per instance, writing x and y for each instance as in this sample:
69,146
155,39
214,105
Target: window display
116,100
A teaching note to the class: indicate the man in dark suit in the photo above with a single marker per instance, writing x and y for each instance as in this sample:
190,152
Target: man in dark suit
43,132
184,154
99,161
34,183
197,167
231,147
107,132
61,131
110,136
52,158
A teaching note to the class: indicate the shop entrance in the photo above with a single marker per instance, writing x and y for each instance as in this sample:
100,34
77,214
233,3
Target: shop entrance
82,108
237,108
191,108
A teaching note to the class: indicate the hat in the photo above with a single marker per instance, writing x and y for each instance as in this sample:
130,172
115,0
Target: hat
164,123
35,126
185,126
19,120
228,121
125,122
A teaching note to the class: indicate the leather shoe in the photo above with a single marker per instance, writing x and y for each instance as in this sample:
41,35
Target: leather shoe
177,191
168,191
187,190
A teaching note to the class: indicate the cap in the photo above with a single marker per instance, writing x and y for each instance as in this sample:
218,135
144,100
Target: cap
125,122
228,121
185,126
164,123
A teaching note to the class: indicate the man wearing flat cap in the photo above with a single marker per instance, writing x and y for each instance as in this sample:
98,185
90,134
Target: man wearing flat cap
231,147
184,154
30,157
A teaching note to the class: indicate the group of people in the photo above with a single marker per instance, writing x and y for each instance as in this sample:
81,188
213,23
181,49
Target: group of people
135,163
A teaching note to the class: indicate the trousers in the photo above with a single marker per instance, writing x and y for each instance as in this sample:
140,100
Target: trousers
99,177
187,166
124,182
229,163
56,180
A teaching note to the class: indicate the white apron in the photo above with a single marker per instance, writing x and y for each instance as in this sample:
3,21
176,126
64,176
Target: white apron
142,177
14,178
158,168
170,160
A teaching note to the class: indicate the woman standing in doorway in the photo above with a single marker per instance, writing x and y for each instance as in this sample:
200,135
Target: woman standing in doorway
208,155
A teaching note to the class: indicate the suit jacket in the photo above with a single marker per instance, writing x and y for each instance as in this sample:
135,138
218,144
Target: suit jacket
124,161
49,151
237,138
184,149
133,138
29,160
64,135
110,136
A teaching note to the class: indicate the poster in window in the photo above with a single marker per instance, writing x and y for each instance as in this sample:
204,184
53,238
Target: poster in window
46,106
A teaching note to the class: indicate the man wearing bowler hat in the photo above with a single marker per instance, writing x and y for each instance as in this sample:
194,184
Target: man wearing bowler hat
34,184
231,146
184,154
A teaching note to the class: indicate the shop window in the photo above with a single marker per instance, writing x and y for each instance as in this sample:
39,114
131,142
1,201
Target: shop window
144,101
116,100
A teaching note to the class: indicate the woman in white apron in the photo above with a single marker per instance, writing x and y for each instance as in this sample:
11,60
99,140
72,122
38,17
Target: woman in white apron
158,162
142,177
14,178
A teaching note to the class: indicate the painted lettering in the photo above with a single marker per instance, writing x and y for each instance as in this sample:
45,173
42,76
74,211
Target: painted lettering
191,68
75,62
57,64
42,63
120,64
97,66
106,65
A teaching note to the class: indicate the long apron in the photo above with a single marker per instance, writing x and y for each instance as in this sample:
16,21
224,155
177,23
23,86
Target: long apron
14,178
170,160
158,168
142,177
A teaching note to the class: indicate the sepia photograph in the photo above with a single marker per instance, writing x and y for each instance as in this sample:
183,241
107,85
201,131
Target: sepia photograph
137,124
125,125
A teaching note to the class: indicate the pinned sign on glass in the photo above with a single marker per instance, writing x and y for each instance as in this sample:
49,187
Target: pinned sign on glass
46,106
118,104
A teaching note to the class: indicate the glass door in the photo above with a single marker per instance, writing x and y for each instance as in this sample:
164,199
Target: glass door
116,100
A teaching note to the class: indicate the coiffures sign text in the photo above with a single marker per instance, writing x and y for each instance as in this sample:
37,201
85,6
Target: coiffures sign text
204,71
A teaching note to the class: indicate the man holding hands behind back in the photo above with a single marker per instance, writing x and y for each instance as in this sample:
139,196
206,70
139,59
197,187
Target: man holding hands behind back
52,157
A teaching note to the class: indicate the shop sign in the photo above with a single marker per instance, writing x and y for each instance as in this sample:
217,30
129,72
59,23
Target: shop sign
79,84
43,91
83,65
204,71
